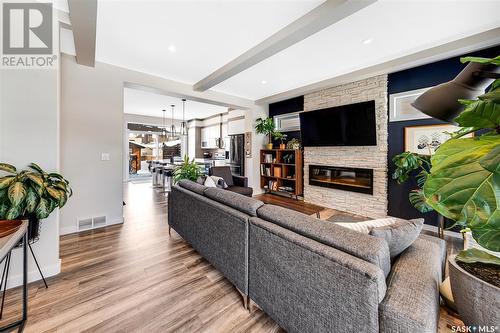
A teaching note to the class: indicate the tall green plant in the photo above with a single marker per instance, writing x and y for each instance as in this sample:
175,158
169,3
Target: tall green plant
187,170
413,165
31,192
265,126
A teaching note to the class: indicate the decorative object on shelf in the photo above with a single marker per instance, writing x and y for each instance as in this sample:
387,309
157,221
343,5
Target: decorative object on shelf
248,144
266,127
400,108
280,136
187,170
277,172
31,194
463,183
289,158
425,139
184,124
293,144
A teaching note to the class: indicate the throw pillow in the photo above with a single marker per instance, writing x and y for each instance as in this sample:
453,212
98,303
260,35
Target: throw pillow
399,235
219,181
366,226
209,182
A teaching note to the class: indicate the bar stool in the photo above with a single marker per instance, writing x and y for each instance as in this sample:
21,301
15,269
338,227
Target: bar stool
167,178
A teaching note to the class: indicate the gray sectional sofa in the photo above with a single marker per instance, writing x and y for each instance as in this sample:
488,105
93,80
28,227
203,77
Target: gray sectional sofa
310,275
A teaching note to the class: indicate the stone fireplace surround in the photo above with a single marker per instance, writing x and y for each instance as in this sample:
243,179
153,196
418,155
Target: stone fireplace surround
369,157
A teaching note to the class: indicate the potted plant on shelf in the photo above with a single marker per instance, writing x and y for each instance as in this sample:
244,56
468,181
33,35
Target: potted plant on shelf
280,136
463,185
266,126
293,144
187,170
31,194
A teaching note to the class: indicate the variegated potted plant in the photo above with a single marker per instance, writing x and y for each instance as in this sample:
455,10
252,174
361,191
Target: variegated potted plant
31,194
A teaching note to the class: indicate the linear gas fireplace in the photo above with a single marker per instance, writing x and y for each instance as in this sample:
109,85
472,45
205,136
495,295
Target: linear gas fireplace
348,179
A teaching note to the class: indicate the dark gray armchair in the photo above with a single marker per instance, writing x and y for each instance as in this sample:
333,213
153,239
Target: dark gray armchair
238,184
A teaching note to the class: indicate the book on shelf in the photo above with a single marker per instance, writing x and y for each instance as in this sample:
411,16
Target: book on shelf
273,185
265,171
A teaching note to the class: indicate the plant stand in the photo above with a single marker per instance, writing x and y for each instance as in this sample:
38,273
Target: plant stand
6,246
5,275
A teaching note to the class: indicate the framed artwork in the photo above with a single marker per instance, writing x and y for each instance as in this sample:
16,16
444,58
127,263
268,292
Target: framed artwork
400,108
426,139
248,144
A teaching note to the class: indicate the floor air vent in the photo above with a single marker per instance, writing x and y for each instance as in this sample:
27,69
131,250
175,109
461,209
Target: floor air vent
91,223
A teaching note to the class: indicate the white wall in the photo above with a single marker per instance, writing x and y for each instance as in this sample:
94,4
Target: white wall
29,132
252,165
92,122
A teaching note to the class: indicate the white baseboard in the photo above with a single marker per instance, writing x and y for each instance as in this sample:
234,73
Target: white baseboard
72,229
34,274
446,232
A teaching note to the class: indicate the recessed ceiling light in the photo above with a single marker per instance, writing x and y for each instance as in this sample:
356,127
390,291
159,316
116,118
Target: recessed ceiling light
172,48
263,82
367,41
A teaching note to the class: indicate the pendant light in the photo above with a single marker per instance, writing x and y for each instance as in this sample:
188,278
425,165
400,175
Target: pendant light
172,126
183,124
164,127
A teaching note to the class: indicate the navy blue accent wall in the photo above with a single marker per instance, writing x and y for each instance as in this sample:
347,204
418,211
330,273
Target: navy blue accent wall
415,78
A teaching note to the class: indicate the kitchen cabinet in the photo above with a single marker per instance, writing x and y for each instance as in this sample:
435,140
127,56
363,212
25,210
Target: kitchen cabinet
210,136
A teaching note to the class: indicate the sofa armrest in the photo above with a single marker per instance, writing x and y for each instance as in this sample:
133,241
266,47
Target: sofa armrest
240,181
289,273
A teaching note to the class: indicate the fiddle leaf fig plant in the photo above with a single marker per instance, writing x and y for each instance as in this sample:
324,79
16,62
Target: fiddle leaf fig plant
461,181
464,181
31,193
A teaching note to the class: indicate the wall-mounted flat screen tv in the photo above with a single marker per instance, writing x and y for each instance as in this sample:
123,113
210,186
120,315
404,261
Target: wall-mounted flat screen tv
347,125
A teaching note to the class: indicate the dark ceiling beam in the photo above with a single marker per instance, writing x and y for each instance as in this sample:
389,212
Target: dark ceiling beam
326,14
83,16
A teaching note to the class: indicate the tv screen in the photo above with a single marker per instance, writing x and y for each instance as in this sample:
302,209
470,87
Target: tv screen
347,125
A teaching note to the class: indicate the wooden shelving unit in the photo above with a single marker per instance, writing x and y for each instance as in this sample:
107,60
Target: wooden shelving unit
281,170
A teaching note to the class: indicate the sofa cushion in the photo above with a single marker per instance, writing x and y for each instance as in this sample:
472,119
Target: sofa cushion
399,235
237,201
411,303
192,186
363,246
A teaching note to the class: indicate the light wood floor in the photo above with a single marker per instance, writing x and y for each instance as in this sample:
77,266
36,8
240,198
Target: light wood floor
135,278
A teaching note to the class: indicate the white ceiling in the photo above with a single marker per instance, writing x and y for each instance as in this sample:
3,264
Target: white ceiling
396,28
150,104
208,34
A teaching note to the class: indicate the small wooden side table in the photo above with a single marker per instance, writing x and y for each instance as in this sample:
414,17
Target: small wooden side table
8,243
